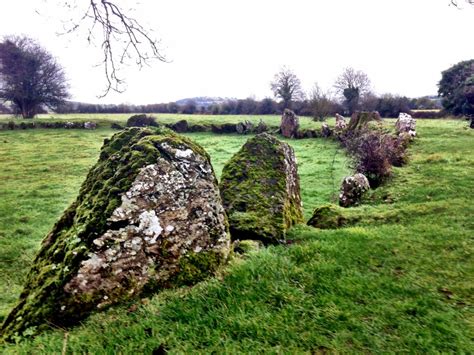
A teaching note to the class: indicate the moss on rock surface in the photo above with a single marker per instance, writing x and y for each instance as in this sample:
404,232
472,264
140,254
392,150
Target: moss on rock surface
148,216
328,217
260,190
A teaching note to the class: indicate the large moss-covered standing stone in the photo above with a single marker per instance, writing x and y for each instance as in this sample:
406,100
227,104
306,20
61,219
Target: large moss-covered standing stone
260,190
148,216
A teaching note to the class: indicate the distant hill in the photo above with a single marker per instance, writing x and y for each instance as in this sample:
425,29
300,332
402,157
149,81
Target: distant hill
204,101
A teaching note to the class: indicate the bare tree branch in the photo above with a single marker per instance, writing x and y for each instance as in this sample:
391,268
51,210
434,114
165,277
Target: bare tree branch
352,79
121,38
457,4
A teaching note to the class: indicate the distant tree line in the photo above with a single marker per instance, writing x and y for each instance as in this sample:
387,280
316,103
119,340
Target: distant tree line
317,106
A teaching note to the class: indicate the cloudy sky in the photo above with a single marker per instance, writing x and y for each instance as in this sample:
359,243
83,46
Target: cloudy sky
232,48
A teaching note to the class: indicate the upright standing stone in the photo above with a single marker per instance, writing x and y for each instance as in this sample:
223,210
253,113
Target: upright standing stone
340,123
405,124
361,119
245,127
352,190
289,124
326,131
260,190
90,125
148,216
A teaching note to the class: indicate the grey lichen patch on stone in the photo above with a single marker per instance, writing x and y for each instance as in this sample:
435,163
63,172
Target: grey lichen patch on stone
352,190
260,190
148,216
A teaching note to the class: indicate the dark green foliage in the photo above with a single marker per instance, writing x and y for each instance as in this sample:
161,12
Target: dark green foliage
254,191
141,120
455,88
428,114
391,105
351,96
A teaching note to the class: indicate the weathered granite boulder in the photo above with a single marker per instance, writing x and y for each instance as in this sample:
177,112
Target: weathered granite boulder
289,124
148,216
327,217
326,131
245,127
260,190
361,119
405,124
340,123
90,125
352,190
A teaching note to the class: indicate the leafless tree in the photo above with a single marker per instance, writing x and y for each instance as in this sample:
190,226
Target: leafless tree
352,85
320,102
353,79
287,86
121,37
30,77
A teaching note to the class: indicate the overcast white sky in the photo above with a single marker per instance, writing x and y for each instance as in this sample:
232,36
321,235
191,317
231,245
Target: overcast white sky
232,48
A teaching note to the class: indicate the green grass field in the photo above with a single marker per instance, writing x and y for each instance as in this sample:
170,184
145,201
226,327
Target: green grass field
400,281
